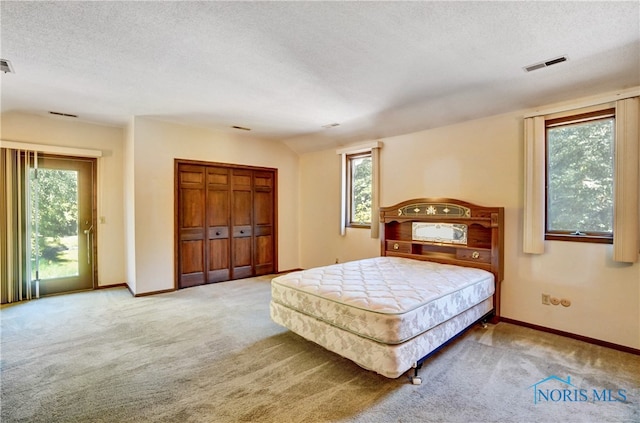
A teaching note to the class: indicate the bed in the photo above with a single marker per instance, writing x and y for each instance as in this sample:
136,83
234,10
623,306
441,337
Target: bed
439,273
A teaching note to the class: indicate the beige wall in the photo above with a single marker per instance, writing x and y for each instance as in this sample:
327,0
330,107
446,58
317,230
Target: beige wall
135,188
72,133
129,210
320,240
480,161
155,146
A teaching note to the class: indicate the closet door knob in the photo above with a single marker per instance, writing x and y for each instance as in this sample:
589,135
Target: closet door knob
218,233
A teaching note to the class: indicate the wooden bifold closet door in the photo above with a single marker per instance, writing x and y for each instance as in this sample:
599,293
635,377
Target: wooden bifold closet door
225,222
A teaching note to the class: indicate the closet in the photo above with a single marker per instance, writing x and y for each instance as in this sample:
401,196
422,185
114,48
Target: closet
225,222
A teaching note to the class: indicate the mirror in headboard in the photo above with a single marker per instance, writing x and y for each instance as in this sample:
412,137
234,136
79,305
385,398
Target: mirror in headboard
446,233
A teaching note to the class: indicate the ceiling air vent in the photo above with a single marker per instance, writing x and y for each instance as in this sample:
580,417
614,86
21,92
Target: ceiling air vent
6,66
63,114
546,64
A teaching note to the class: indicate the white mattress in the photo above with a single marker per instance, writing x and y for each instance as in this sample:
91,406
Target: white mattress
386,299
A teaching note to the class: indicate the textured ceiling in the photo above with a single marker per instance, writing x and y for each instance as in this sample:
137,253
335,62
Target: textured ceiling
286,69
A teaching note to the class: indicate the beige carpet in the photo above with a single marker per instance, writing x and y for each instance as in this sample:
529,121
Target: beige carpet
211,354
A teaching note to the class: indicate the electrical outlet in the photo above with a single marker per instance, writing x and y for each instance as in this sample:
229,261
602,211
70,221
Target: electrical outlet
565,302
545,299
554,300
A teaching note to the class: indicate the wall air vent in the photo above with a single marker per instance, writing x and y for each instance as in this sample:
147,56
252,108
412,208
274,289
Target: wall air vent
63,114
546,64
6,66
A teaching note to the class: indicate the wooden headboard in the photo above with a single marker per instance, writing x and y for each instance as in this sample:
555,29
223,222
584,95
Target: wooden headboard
481,246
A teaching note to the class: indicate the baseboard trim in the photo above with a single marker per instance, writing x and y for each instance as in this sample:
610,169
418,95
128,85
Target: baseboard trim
622,348
117,285
146,294
288,271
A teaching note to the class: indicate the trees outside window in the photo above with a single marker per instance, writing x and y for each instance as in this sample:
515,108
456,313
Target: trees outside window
359,170
56,233
580,174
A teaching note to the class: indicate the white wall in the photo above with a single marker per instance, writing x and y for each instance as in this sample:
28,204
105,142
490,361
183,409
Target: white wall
155,146
481,162
72,133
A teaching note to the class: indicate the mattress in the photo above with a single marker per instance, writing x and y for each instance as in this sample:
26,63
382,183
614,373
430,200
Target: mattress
390,361
388,300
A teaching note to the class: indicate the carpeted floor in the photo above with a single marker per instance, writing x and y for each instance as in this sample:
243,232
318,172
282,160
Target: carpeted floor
211,354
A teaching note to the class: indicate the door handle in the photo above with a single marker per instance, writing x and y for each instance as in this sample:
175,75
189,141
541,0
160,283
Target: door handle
87,232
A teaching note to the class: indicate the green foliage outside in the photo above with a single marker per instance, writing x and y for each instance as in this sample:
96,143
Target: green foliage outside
361,190
57,213
580,177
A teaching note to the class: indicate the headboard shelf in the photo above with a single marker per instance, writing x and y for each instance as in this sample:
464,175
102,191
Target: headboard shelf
481,221
476,234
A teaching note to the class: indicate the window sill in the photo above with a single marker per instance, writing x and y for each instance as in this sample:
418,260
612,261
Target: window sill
359,226
579,238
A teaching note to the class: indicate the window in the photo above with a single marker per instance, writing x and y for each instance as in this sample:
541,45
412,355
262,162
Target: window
579,177
359,189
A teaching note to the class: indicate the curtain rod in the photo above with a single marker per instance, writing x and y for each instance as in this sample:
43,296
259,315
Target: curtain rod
585,102
51,149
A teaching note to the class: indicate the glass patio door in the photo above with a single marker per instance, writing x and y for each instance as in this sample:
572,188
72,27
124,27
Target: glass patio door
62,224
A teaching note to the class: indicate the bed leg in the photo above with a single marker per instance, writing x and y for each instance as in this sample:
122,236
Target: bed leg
484,322
415,379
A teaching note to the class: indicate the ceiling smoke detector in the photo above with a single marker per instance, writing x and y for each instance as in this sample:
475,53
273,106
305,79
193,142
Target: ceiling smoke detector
546,64
6,66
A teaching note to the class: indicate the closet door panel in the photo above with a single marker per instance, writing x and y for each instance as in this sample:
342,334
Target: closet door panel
242,267
264,255
191,230
242,208
242,223
193,210
218,220
219,260
192,258
263,209
218,207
